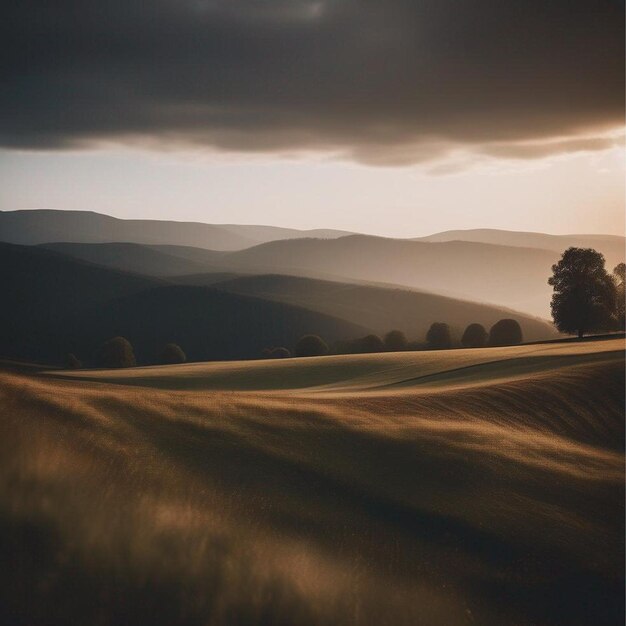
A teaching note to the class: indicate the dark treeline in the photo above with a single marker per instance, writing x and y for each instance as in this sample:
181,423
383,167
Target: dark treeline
118,352
506,332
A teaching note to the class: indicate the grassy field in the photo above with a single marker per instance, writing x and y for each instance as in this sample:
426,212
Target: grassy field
439,488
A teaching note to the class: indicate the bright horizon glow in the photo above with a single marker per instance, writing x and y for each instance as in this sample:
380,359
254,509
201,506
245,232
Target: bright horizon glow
570,193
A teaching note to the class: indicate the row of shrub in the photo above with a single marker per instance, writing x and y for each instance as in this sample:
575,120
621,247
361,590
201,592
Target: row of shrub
119,352
506,332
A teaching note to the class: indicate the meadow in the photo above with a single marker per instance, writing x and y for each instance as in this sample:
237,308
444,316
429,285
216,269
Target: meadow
479,486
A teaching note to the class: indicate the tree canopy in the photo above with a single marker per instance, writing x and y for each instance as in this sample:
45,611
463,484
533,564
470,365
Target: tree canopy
584,294
369,343
395,341
438,336
311,345
116,352
505,332
475,336
172,354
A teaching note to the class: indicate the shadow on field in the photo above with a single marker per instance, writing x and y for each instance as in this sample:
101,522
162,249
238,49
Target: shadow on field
474,505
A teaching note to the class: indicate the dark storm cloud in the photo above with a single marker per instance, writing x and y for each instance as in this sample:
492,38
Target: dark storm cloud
383,80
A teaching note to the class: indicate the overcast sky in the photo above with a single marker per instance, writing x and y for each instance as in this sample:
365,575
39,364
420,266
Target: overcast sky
398,117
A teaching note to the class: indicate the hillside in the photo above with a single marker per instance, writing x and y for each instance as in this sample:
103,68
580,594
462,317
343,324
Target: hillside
204,279
381,309
142,259
44,292
612,246
55,304
441,489
504,268
492,274
48,225
502,275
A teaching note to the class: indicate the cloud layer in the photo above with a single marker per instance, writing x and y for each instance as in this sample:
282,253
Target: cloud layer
382,81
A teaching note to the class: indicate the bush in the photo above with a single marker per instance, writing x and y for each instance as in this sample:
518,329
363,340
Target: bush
438,336
396,341
116,352
72,362
475,336
172,354
311,345
369,343
506,332
279,353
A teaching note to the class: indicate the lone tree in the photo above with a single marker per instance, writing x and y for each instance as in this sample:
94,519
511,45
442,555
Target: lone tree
506,332
619,273
395,341
475,336
584,294
172,354
438,336
116,352
311,345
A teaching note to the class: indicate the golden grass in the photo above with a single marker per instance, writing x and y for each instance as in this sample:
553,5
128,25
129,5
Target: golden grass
443,488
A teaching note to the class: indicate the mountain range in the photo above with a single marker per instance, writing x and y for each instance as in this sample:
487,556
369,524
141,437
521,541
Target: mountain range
503,276
76,278
49,225
612,246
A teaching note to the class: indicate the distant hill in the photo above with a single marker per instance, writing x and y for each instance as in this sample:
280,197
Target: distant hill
382,309
36,282
37,226
502,268
142,259
506,276
53,304
612,246
186,264
205,279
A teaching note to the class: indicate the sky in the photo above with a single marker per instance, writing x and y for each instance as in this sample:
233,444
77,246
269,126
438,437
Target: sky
391,117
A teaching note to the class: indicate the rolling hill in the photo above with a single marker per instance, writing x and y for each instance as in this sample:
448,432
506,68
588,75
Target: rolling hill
502,275
54,304
504,268
612,246
434,488
397,261
142,259
381,309
37,226
42,284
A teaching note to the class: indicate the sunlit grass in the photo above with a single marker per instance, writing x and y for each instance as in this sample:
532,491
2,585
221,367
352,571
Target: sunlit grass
409,494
